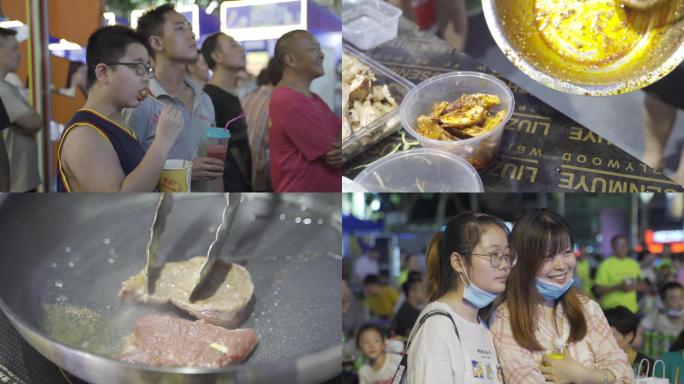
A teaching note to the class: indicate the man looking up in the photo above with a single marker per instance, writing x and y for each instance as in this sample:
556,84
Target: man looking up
226,57
304,139
173,46
20,138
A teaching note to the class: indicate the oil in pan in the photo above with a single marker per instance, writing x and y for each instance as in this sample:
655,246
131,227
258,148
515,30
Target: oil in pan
292,250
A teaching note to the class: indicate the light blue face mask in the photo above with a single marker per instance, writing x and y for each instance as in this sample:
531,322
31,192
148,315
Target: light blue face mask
674,313
476,295
550,290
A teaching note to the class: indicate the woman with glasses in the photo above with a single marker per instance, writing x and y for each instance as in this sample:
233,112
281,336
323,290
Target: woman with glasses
467,267
544,330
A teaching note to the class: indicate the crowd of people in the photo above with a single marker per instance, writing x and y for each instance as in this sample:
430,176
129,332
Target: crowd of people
152,96
520,306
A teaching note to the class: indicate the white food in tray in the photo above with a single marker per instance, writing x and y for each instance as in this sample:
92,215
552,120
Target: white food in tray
362,102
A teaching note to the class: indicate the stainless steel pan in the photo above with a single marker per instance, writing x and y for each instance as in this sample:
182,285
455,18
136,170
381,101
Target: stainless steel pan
59,251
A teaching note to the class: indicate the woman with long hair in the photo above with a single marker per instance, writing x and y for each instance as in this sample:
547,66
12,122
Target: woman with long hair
467,266
545,331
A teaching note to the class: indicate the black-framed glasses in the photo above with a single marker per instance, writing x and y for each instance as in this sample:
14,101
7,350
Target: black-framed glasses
141,69
495,259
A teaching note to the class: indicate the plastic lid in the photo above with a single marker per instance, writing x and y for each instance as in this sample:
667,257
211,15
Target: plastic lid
351,186
420,170
217,133
558,343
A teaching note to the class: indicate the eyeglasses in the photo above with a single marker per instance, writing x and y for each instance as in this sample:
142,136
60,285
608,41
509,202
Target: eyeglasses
141,69
495,259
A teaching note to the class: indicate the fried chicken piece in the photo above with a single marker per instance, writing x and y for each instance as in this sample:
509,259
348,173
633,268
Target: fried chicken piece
464,118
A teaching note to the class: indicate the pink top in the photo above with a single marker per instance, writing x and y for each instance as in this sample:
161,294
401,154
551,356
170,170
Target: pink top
303,129
598,349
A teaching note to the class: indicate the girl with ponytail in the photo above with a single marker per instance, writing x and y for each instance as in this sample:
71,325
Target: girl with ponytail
467,267
545,330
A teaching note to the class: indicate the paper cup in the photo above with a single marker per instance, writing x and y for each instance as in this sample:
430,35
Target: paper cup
175,177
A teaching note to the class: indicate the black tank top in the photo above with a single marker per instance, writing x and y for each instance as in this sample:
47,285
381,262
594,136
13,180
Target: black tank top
123,140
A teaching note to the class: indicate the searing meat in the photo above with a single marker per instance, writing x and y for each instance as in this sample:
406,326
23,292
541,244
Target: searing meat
171,341
224,301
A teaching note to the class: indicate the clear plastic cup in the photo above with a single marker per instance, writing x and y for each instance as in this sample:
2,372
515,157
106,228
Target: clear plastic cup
479,150
216,140
369,23
420,170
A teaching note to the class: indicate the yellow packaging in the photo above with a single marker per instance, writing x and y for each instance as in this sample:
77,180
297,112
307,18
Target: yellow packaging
175,176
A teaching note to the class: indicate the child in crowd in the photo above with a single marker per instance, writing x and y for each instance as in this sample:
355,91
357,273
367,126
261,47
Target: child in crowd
624,325
381,365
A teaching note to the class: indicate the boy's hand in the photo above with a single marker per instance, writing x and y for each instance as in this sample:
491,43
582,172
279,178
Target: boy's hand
170,125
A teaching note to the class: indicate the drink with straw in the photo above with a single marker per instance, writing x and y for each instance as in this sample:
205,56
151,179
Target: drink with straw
216,140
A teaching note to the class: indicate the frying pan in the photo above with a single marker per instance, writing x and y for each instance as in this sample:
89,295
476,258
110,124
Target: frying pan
75,250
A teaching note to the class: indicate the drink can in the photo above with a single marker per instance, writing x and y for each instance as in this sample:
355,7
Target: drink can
648,343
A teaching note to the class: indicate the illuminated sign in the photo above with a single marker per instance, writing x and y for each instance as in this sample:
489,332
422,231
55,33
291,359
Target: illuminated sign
668,236
64,45
110,17
191,12
655,240
18,26
262,19
11,24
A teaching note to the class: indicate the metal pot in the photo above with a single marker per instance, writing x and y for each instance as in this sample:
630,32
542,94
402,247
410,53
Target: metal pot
589,47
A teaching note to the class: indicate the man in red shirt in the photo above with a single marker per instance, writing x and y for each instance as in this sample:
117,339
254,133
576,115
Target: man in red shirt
304,137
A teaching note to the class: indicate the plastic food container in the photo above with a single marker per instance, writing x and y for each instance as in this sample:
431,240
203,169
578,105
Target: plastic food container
479,150
420,170
351,186
369,23
367,136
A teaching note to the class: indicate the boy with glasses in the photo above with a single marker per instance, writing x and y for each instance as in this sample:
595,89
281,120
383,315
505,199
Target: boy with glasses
173,46
97,151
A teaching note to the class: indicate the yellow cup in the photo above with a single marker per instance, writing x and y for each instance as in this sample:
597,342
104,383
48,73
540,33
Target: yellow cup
175,176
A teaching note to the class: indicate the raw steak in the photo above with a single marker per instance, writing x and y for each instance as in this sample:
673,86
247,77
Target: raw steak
224,301
170,341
